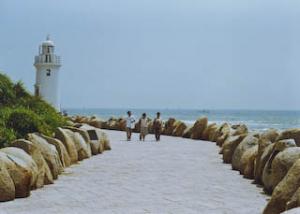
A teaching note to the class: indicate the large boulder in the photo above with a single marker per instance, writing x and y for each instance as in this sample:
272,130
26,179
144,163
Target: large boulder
61,149
20,174
122,124
270,134
98,143
208,130
222,134
104,140
187,132
248,162
290,134
294,201
229,147
84,134
248,142
95,122
49,153
99,135
44,174
16,155
213,133
284,191
219,132
239,129
199,127
112,124
261,158
179,128
80,143
169,126
283,156
68,143
7,186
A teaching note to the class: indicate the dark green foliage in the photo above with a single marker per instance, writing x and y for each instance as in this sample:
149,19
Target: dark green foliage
23,121
7,95
22,113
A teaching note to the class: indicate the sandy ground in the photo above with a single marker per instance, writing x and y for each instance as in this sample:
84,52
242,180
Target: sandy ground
174,176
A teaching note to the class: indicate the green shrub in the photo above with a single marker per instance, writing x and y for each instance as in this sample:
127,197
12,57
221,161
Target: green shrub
7,95
21,113
24,121
6,136
47,113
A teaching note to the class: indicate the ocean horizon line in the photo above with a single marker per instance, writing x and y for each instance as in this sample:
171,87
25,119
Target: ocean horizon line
184,109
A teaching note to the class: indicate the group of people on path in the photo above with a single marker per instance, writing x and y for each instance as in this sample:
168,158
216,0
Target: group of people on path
144,126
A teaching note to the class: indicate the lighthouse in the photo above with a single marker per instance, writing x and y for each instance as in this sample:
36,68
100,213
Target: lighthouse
47,66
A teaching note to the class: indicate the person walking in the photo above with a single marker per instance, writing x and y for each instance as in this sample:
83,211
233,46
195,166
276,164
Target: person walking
130,123
143,127
157,126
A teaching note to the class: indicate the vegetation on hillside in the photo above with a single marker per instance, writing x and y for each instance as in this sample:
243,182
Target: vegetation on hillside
22,113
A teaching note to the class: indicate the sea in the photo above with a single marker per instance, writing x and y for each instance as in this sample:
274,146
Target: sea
256,120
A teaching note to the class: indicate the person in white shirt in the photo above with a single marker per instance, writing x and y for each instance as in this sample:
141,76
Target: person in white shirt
143,126
130,124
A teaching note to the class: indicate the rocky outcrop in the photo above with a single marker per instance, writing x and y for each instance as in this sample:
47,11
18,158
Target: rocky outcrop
199,127
284,191
248,142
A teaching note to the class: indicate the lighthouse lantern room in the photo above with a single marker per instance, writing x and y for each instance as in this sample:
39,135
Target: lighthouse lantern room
47,66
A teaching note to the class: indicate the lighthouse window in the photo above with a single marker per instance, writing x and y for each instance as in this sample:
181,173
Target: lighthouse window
48,72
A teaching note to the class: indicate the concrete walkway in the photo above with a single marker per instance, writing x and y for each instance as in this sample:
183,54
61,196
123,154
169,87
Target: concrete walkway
174,176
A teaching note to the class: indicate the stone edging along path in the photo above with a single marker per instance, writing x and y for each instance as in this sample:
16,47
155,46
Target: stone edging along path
31,163
270,158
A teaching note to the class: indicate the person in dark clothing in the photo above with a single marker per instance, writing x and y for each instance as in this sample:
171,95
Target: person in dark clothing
157,126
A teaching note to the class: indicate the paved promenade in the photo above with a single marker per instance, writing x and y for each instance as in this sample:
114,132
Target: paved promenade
174,176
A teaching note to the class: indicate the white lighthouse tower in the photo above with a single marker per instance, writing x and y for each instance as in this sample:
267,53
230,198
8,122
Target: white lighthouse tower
47,66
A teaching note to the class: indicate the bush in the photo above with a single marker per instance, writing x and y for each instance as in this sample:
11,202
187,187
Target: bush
47,113
24,121
21,113
6,137
7,95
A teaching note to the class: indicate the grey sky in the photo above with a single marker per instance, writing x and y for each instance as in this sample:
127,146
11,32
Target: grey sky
160,53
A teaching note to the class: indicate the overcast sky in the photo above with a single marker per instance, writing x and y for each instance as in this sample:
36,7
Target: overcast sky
220,54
